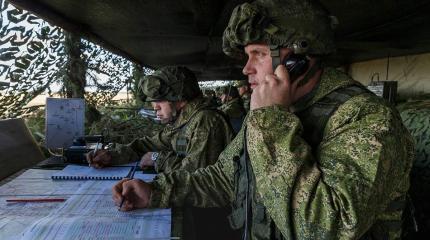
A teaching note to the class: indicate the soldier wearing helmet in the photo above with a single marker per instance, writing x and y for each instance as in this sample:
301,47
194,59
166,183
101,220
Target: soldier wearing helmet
195,135
232,106
318,156
244,92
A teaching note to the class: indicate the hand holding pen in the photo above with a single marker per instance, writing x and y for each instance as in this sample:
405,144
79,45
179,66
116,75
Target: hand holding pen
99,157
129,194
131,176
98,146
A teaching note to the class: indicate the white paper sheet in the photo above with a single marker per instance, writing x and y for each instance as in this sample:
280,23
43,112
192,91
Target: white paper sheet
88,212
83,215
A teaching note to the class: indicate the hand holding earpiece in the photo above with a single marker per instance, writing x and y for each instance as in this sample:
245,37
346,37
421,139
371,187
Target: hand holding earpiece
275,89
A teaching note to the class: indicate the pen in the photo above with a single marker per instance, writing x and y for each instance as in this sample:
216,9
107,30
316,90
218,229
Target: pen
36,200
131,177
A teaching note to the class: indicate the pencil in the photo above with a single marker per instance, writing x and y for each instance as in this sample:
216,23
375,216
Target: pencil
36,200
131,177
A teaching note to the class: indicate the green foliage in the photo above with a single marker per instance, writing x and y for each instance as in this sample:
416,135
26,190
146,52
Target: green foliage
122,124
36,124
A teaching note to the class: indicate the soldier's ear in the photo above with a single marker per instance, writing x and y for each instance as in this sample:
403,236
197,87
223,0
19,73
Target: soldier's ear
180,104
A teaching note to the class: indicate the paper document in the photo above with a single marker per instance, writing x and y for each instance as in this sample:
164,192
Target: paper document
96,217
88,212
151,227
15,217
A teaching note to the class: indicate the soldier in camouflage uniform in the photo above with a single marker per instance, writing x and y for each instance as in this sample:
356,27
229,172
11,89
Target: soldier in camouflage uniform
232,106
211,95
232,103
195,135
318,157
243,88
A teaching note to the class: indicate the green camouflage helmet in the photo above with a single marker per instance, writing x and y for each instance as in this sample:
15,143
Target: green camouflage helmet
241,83
171,83
230,90
304,26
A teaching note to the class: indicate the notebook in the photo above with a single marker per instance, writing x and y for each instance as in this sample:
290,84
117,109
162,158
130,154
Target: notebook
78,172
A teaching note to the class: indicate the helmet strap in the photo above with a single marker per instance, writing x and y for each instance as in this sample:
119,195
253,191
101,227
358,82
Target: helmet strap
275,53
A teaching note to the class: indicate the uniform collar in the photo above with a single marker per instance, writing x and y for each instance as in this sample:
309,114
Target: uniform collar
189,110
331,79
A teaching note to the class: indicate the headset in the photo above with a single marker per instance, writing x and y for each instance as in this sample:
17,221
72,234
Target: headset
296,64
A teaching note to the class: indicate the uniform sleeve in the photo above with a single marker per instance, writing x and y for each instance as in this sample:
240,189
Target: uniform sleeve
211,186
167,161
209,135
361,165
125,153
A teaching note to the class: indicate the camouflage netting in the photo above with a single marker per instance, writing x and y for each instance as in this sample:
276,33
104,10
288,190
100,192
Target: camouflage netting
36,58
416,117
30,58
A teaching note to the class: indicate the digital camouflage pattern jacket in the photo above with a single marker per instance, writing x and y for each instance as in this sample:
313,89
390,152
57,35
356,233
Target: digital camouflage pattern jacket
196,138
344,188
233,108
235,112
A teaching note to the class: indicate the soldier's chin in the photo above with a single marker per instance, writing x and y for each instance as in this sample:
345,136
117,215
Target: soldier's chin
164,120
